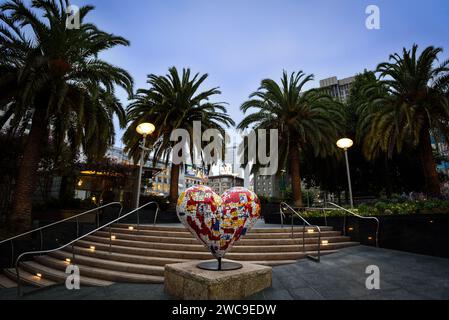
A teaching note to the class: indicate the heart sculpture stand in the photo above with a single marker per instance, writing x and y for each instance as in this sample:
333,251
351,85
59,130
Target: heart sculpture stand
220,265
218,222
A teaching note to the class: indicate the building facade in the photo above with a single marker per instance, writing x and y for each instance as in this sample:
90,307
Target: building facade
157,180
338,89
266,186
222,183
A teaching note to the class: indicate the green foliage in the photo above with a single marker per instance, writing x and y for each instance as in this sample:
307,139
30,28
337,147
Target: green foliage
382,208
58,71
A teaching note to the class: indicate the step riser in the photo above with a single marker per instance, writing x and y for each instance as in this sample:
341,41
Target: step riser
155,261
255,230
37,283
6,283
243,242
206,255
135,268
98,275
60,278
186,235
45,275
201,248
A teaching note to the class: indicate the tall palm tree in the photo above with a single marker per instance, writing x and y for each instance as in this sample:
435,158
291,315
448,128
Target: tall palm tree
52,78
308,120
173,102
416,105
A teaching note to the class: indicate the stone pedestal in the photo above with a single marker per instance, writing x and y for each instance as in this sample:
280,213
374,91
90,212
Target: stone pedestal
187,282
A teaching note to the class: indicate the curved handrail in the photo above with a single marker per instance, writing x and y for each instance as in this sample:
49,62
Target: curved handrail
294,211
79,238
360,217
323,209
305,222
40,229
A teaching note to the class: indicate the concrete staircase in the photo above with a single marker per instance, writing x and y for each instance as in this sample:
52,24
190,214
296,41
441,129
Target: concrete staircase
139,256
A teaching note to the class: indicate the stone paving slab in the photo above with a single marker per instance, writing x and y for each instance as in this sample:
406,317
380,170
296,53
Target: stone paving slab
339,276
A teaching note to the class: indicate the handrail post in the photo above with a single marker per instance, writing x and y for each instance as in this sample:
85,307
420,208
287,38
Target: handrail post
282,216
319,245
304,237
138,219
155,216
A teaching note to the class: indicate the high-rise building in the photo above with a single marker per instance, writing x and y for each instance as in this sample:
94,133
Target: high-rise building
337,88
222,183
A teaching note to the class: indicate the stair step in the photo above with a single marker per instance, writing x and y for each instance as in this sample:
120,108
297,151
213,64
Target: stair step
59,276
183,229
28,278
155,260
204,255
103,275
130,258
6,283
287,229
193,241
60,256
201,248
188,235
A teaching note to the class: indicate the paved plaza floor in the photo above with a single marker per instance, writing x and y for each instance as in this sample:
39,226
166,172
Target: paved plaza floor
338,276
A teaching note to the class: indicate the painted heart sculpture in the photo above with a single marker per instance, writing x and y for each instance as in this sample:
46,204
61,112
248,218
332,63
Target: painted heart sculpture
218,222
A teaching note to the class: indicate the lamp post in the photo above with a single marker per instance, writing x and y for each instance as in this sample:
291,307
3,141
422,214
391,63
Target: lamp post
345,144
143,129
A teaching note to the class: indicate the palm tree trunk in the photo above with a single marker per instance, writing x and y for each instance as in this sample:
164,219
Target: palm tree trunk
27,177
174,184
428,164
296,176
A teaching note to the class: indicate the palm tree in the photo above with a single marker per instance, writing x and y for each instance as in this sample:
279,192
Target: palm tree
173,102
416,105
53,83
306,121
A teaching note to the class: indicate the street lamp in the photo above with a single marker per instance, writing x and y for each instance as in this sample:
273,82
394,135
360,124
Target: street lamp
143,129
345,144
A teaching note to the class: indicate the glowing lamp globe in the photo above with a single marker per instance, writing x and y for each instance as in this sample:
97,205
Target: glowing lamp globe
145,129
345,143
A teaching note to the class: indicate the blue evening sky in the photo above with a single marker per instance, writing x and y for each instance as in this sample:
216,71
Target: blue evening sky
240,42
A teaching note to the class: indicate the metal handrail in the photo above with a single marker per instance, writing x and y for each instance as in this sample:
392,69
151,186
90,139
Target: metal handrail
40,229
305,222
322,209
78,239
360,217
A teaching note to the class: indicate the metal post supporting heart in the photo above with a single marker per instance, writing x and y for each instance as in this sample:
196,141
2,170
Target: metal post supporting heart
219,265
